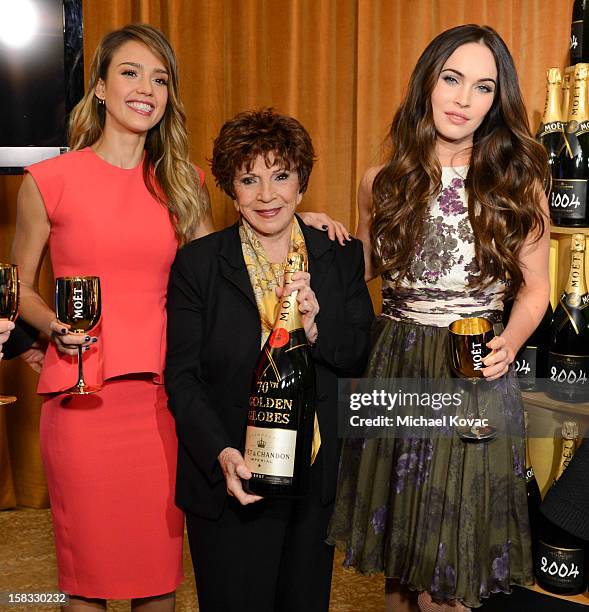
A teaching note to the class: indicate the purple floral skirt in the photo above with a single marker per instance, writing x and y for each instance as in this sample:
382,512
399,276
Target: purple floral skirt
439,514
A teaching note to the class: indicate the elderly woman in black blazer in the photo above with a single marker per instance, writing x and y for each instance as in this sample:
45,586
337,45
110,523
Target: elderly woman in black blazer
5,328
250,553
20,339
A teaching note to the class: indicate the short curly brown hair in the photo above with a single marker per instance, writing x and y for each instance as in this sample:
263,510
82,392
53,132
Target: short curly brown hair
277,138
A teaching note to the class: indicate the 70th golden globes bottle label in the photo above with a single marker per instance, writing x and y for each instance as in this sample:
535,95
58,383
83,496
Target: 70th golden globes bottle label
280,406
270,453
271,439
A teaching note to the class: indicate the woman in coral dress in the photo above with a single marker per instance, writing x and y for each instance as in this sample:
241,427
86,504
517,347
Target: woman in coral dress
117,206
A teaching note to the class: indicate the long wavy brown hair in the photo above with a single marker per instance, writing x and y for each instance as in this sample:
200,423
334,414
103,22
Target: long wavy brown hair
503,184
167,171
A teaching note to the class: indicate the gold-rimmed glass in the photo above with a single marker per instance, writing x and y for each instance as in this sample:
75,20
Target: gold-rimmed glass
77,303
8,305
468,348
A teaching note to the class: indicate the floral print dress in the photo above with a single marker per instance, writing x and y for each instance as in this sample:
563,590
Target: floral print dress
437,290
439,514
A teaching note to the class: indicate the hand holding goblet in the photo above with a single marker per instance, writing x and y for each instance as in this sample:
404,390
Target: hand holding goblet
468,348
77,304
8,304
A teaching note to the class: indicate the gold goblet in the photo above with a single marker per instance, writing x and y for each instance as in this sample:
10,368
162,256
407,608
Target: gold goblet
77,303
8,305
468,348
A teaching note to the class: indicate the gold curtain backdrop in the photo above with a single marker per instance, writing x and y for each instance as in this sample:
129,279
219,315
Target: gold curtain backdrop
339,66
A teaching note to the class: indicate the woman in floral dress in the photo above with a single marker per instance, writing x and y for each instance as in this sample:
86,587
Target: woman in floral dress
456,210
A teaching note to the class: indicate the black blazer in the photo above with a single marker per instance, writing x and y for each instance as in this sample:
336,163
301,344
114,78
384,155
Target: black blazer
20,340
214,342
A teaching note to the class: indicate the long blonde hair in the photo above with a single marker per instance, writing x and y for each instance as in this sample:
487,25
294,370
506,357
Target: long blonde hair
168,174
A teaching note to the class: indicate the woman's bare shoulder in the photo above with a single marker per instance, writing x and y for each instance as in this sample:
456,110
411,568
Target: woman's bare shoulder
367,180
369,176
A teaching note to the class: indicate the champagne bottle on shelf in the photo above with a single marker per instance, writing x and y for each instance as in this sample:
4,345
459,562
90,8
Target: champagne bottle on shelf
282,404
551,130
568,354
531,362
576,42
560,559
568,199
532,492
567,77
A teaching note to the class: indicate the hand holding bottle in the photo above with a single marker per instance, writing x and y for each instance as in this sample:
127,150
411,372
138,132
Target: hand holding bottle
234,470
307,301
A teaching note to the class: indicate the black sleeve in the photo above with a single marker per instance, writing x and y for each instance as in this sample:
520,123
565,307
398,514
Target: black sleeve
567,502
198,425
343,343
20,340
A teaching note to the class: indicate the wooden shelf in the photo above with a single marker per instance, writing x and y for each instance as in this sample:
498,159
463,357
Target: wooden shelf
582,599
541,400
569,230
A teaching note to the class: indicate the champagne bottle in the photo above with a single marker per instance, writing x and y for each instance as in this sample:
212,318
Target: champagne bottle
568,355
531,362
282,404
532,492
559,564
568,200
567,77
576,43
551,131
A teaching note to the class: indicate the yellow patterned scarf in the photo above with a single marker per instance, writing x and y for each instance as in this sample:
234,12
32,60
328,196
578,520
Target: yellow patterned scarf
264,275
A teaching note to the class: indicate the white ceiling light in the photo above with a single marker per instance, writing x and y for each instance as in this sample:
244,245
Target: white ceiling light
19,20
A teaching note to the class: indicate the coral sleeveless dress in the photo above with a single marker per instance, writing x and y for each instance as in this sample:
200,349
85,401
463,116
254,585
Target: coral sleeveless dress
110,457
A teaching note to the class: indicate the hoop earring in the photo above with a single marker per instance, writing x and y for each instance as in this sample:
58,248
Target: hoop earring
100,101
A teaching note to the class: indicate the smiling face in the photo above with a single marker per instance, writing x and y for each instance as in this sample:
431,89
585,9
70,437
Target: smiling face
464,93
267,198
135,91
